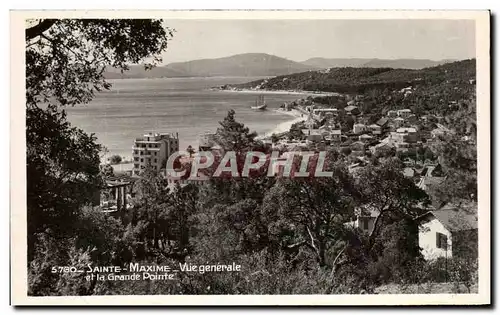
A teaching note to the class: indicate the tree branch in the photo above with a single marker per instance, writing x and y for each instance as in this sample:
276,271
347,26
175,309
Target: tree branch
312,241
38,29
334,264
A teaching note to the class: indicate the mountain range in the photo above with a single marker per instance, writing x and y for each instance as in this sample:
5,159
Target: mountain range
260,64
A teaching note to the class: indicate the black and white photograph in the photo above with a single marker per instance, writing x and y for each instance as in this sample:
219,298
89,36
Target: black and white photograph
319,157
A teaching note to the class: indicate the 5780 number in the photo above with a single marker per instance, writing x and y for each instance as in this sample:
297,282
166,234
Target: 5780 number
64,269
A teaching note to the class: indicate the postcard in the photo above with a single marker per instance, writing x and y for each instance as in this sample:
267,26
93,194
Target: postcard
250,157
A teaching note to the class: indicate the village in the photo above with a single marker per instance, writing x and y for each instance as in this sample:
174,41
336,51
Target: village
397,133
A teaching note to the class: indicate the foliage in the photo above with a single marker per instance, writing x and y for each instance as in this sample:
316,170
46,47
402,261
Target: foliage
115,159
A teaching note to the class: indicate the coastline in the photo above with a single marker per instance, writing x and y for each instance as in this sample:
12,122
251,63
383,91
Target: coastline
289,92
284,126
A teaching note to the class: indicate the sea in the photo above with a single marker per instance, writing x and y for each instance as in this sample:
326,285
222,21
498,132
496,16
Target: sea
183,106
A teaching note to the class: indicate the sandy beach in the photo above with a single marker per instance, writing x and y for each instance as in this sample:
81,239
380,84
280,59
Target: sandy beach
308,93
285,126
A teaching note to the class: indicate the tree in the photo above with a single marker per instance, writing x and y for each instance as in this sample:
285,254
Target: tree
62,173
65,63
115,159
386,192
190,150
458,159
66,59
310,212
106,170
235,136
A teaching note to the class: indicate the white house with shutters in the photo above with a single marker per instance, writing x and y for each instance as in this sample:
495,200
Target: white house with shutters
447,232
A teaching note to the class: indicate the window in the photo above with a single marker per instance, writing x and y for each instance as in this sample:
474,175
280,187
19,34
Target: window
365,224
136,165
142,152
142,160
156,153
156,160
136,159
441,241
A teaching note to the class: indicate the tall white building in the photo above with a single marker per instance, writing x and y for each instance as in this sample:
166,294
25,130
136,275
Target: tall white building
153,149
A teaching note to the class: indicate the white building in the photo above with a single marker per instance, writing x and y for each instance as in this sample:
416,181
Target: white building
322,112
358,128
153,149
448,232
404,113
375,129
392,114
365,220
398,122
336,135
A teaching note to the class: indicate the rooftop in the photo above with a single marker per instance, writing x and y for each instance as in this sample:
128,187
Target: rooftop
455,218
406,130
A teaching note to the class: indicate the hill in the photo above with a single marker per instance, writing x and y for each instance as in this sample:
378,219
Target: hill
358,80
254,64
373,63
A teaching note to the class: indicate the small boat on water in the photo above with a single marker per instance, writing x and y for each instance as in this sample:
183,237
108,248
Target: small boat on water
260,103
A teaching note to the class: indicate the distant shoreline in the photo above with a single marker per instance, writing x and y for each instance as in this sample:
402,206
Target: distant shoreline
290,92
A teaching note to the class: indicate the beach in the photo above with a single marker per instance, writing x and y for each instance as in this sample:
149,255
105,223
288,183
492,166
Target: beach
179,106
291,92
285,126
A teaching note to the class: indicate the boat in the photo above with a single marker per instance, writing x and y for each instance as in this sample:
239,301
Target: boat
260,103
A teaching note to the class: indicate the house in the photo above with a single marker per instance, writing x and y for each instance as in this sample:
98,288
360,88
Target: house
399,122
352,110
404,113
382,147
336,135
404,135
412,119
365,219
392,114
375,129
206,141
323,112
358,146
440,130
408,134
448,232
358,128
382,122
313,135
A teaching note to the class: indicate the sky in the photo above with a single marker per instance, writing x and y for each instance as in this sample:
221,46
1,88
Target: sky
300,40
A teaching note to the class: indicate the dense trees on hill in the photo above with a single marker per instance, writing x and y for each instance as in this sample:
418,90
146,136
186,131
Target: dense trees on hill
360,80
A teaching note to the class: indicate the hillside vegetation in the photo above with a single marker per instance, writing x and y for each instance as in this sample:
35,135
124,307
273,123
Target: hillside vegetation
373,63
359,80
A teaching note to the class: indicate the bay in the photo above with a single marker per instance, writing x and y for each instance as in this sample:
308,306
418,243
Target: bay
185,106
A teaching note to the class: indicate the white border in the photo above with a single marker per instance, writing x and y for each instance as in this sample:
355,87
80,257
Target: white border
18,166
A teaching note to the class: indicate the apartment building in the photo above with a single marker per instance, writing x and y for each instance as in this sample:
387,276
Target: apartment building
153,149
